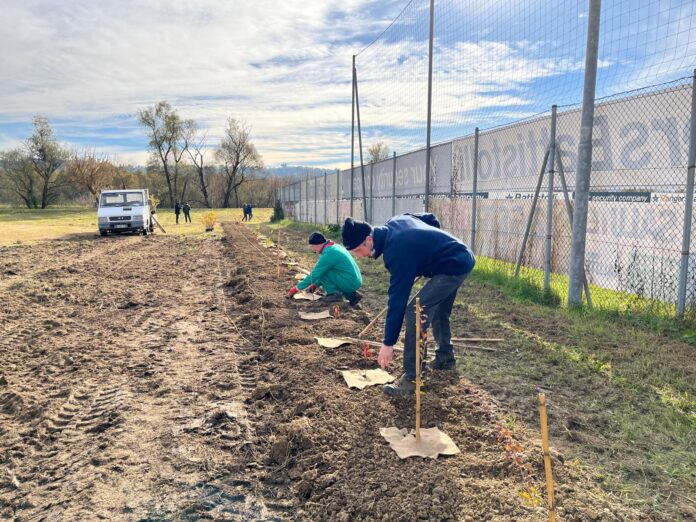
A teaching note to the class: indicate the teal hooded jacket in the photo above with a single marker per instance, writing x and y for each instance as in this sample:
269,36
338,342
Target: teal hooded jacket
336,271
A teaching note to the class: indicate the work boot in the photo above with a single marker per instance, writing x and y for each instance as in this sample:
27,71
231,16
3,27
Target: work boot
403,386
444,365
354,299
336,297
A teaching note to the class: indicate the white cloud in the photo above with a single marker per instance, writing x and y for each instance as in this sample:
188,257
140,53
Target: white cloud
284,67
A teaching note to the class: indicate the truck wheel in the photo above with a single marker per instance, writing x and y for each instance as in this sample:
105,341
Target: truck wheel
145,230
103,233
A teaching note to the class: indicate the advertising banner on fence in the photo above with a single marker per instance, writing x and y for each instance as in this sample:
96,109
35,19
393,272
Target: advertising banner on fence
640,141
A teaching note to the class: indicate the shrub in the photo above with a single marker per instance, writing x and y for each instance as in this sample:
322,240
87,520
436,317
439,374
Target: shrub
209,220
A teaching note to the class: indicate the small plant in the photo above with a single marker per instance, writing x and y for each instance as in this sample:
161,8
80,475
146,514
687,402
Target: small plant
575,464
154,201
209,220
509,421
367,352
513,449
531,497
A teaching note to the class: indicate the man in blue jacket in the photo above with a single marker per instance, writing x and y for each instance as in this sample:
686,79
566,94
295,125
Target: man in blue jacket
413,245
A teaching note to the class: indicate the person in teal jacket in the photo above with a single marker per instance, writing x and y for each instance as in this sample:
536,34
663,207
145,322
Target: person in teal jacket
336,272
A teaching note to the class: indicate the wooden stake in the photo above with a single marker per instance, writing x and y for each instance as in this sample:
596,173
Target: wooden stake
397,347
476,340
547,457
418,367
159,225
278,253
475,347
373,322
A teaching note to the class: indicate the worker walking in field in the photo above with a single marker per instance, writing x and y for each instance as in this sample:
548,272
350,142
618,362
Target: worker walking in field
187,212
336,272
413,245
177,211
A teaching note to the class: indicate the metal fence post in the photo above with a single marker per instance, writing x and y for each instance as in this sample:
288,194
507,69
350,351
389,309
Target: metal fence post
393,212
372,187
535,199
352,140
549,203
430,105
338,196
688,207
307,199
326,218
582,180
569,211
362,164
474,189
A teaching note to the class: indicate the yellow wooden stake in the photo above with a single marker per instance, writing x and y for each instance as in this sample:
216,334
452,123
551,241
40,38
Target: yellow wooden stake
418,367
547,457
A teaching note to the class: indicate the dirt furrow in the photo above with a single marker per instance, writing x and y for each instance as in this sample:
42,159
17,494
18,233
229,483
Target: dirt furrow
323,457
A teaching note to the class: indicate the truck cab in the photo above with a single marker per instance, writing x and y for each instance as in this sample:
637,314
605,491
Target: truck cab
125,211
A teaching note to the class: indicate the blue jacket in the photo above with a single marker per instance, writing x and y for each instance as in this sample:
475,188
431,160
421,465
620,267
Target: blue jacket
412,248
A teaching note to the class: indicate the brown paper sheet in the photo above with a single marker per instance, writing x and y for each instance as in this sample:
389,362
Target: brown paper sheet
362,378
432,444
314,316
331,342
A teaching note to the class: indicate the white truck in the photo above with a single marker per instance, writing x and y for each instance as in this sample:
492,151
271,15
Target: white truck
125,211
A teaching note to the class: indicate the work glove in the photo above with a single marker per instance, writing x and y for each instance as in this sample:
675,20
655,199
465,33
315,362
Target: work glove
292,292
311,288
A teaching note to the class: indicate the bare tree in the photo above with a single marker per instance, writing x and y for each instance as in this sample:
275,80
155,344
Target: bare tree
378,152
19,173
196,151
180,148
238,156
47,157
164,130
88,170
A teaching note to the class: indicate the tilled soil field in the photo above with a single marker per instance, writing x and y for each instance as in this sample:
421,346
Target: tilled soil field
168,378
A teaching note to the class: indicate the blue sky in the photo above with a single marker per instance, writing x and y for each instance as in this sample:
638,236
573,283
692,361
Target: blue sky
285,67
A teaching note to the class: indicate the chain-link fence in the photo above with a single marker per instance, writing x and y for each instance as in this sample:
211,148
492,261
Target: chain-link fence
637,194
498,86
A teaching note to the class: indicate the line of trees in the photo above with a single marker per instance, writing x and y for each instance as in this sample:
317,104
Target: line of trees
182,167
172,139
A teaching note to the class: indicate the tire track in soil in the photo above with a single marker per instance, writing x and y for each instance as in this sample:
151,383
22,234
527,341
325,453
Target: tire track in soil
20,260
120,399
322,457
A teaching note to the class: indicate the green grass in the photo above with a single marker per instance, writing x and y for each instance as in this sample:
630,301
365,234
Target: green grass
607,304
26,226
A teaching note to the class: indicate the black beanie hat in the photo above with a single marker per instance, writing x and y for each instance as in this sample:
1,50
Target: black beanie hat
354,233
317,238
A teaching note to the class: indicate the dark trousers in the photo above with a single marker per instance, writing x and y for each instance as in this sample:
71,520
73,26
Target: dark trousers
436,298
187,217
177,218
